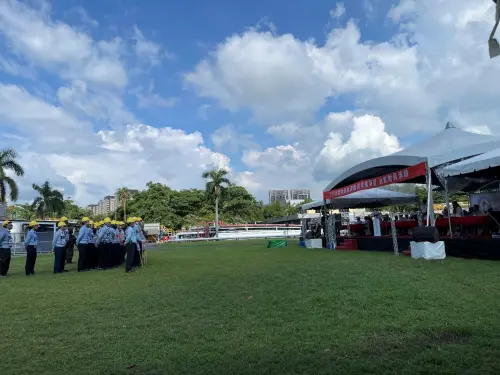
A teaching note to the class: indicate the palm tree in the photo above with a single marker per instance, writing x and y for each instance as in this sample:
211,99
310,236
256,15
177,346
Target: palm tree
49,201
8,162
122,195
216,179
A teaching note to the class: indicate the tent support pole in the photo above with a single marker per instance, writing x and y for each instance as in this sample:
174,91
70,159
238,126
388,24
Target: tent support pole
447,202
430,203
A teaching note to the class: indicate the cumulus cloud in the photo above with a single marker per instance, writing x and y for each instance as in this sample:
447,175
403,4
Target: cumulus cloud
228,138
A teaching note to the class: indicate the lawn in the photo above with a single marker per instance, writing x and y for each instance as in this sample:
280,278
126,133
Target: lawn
239,308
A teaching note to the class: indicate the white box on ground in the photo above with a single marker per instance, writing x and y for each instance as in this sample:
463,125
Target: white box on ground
315,243
427,250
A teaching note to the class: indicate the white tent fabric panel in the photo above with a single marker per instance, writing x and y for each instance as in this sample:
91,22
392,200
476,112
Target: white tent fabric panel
366,198
488,160
449,145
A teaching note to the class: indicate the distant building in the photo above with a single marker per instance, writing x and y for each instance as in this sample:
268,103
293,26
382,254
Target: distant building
278,196
293,197
94,208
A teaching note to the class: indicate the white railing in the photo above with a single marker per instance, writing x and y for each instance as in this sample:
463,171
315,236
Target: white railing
209,239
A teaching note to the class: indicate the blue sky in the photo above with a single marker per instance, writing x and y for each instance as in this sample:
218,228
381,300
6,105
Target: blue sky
283,95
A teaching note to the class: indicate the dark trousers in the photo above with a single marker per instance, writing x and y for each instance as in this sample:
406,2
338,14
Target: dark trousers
58,259
83,261
123,252
116,254
92,256
30,260
104,252
137,259
63,257
131,250
5,255
70,253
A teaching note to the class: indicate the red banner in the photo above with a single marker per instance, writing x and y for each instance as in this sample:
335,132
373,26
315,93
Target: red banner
402,175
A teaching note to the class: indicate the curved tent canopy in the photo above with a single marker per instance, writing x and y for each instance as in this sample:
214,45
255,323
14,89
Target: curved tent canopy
366,199
450,145
478,163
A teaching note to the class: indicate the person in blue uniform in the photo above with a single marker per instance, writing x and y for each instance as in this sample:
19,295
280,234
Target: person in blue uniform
140,240
130,245
105,240
115,247
6,244
92,254
82,241
121,237
65,220
31,244
58,244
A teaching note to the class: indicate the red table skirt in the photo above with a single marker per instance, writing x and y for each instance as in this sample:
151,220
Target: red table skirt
467,221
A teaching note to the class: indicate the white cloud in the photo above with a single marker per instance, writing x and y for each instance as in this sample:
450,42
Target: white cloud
227,138
316,161
150,99
148,50
338,12
56,46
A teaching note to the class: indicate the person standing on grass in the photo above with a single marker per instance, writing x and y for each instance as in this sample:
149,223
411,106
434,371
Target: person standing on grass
115,245
70,247
92,255
82,242
105,240
58,244
121,236
65,220
140,240
6,244
130,245
30,244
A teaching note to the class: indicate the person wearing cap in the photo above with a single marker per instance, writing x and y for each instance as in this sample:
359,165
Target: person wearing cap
92,255
82,241
105,239
130,245
121,237
65,220
6,244
58,244
115,246
31,244
70,247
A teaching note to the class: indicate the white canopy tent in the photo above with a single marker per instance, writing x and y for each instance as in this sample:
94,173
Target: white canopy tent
450,145
478,163
366,199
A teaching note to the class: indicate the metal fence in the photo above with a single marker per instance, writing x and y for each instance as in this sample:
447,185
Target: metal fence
209,239
44,243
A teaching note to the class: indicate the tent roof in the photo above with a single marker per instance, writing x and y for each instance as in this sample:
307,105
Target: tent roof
366,199
485,161
449,145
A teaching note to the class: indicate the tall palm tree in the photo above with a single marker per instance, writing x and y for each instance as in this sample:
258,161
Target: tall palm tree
49,201
8,162
122,195
215,187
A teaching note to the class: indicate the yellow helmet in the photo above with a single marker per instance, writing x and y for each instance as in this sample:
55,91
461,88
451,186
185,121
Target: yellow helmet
61,224
107,220
64,218
91,222
113,222
85,219
32,223
131,220
6,222
138,219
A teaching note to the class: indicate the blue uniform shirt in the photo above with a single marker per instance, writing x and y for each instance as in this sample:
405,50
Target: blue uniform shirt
91,236
115,236
5,239
106,235
130,235
31,239
59,239
83,235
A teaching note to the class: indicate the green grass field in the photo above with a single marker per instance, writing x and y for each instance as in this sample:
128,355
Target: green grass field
239,308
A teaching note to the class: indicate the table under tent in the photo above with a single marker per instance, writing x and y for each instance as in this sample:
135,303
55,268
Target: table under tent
427,163
373,198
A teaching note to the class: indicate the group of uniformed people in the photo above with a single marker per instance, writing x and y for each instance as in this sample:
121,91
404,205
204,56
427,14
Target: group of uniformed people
101,245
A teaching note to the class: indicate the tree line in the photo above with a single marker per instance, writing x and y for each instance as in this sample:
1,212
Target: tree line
221,200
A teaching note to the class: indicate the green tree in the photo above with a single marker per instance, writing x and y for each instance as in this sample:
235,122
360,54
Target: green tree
154,205
8,162
73,211
49,201
22,211
122,196
274,210
215,188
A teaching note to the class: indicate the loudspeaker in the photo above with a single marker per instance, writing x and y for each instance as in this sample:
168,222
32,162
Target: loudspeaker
425,234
